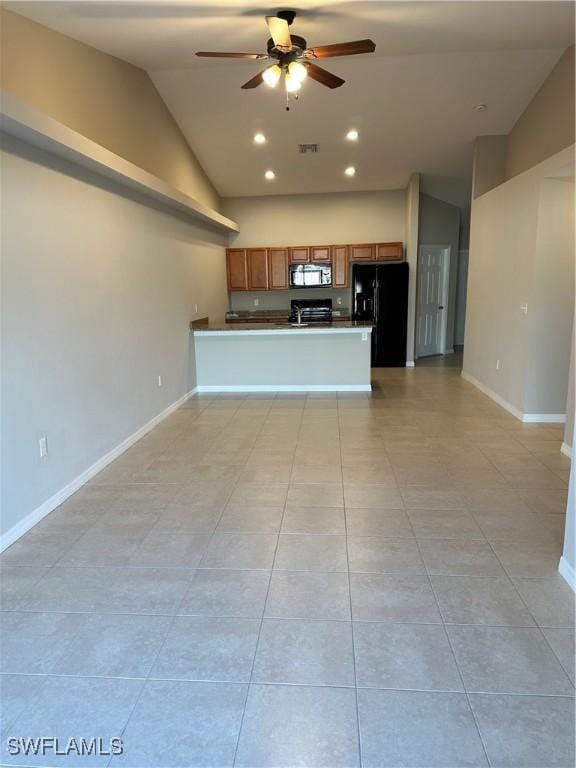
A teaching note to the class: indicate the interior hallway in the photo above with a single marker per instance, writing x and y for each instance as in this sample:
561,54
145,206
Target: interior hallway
196,598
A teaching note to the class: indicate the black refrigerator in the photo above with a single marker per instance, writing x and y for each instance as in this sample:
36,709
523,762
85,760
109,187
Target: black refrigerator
380,294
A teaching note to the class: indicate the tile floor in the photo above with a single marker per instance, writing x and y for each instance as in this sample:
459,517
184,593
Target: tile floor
304,581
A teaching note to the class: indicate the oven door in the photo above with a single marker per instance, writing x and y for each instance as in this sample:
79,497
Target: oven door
310,275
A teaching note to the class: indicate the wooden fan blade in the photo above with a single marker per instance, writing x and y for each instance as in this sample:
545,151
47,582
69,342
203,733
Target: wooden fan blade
279,31
341,49
255,81
322,76
226,55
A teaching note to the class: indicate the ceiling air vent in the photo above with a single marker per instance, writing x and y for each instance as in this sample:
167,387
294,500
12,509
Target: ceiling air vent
304,149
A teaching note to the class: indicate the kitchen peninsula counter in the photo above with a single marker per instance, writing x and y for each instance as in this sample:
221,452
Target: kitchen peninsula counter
336,326
283,357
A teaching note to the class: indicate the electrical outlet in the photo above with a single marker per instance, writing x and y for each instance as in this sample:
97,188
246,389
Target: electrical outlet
497,365
43,446
159,381
256,302
524,309
339,301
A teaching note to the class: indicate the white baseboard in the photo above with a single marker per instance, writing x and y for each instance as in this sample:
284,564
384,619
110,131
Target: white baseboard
566,450
410,364
18,530
493,395
567,572
527,418
544,418
286,388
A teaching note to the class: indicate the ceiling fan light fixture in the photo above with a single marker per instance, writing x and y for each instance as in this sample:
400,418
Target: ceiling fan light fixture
292,85
272,75
269,175
352,135
298,71
259,138
350,171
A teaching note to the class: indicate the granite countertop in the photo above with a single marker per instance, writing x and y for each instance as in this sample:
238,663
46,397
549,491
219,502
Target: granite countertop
237,316
338,325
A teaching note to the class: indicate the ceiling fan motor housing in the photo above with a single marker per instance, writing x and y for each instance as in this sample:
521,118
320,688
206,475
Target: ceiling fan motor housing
298,45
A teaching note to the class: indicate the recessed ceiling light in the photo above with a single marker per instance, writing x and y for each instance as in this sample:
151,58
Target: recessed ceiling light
270,175
480,107
259,138
350,171
352,135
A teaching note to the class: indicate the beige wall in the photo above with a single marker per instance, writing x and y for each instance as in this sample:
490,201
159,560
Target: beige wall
551,305
547,124
439,224
412,217
515,259
571,396
351,217
489,163
97,294
108,100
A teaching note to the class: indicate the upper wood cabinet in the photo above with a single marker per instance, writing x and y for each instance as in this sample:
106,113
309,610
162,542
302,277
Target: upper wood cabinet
300,255
389,252
320,253
237,269
340,266
365,252
277,268
257,259
266,269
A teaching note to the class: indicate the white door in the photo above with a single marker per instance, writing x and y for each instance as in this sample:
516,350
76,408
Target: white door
433,263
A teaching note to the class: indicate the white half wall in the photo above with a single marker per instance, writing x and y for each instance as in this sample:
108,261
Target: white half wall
98,290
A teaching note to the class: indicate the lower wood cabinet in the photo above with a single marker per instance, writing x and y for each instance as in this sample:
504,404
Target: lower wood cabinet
340,266
277,268
257,260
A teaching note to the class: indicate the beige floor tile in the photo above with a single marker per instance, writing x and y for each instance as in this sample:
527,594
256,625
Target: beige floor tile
365,495
316,473
419,497
315,495
260,494
379,474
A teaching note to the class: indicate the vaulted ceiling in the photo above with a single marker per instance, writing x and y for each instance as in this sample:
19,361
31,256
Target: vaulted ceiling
412,101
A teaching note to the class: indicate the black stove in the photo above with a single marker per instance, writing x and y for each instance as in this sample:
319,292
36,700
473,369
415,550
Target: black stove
311,310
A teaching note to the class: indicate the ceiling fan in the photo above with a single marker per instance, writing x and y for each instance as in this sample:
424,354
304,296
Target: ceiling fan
294,60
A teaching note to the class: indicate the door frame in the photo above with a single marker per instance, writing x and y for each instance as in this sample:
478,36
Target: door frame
446,260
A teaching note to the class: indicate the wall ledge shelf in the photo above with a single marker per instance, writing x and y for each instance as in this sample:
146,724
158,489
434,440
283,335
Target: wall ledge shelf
40,130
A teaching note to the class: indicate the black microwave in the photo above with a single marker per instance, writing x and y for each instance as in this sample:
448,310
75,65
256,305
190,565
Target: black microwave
310,275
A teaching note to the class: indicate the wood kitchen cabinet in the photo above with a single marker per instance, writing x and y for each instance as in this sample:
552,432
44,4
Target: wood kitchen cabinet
389,252
365,252
340,266
320,253
300,255
266,269
237,269
277,268
257,262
